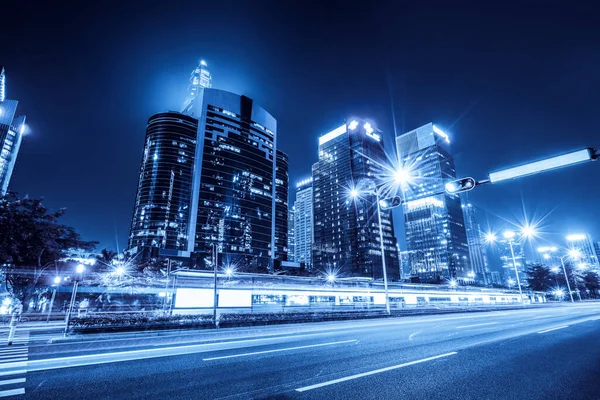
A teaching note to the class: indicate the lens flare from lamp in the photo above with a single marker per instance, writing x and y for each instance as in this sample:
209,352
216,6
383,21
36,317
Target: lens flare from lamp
508,234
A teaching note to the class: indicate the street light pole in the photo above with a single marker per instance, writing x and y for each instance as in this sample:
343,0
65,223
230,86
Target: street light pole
216,296
385,282
79,272
167,285
566,278
512,253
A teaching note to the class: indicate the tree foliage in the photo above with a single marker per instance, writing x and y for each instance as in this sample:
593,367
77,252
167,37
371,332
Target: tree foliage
32,240
539,278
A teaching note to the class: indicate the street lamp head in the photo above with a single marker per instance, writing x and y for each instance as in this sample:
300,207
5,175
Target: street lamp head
575,254
555,270
354,193
528,231
120,271
559,293
330,277
546,256
57,280
80,268
229,271
453,283
401,176
508,234
490,237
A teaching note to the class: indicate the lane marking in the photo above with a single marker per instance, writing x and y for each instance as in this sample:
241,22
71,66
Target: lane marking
413,335
554,329
13,365
377,371
12,381
16,372
278,350
471,326
13,392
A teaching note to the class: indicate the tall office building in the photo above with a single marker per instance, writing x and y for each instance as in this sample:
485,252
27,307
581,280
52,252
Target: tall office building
291,237
584,244
303,222
212,177
199,79
508,266
11,135
346,228
477,247
280,222
434,225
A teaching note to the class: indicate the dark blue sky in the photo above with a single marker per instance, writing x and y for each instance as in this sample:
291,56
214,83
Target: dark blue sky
510,83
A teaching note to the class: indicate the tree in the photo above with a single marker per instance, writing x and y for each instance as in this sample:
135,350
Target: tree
592,283
539,278
32,240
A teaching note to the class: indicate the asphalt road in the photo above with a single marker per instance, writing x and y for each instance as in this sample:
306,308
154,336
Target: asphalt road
546,353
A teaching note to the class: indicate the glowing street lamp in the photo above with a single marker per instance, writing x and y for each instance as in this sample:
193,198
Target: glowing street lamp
229,272
453,283
490,237
331,278
119,271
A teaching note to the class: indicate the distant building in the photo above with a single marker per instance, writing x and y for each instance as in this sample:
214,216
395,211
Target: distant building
434,224
291,237
303,222
508,266
583,243
212,177
12,129
477,246
346,228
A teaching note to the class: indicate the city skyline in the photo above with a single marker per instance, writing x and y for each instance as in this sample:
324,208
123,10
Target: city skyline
86,179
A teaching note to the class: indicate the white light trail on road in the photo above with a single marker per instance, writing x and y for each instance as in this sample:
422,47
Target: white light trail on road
554,329
279,350
377,371
472,326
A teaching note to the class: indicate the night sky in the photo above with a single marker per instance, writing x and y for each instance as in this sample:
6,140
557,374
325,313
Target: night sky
510,83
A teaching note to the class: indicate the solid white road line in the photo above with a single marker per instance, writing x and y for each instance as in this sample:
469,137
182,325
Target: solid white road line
14,360
13,392
377,371
472,326
554,329
12,381
13,365
15,372
279,350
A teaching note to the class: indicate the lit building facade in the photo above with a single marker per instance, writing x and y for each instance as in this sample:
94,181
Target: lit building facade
346,229
12,129
436,237
584,244
477,246
161,213
508,266
291,237
199,79
214,178
303,222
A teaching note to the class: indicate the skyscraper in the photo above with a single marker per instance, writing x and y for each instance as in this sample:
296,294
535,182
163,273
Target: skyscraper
303,223
212,177
291,237
11,134
508,266
582,242
477,246
435,232
346,229
199,79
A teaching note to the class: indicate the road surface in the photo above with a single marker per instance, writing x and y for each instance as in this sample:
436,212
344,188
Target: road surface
545,353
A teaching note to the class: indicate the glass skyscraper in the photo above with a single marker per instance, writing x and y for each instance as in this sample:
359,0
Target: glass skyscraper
346,229
11,135
227,187
303,222
508,266
477,246
291,237
436,238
